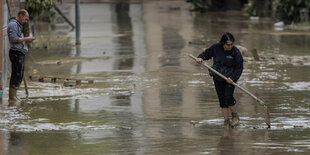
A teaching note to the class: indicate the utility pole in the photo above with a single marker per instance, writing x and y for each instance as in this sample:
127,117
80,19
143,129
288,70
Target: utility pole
77,23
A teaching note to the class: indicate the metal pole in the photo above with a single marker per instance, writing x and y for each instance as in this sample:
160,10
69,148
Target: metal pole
77,22
267,117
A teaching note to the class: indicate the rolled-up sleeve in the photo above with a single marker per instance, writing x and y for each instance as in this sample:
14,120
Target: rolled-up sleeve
13,33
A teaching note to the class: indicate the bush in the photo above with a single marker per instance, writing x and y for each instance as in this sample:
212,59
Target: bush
289,10
36,7
199,5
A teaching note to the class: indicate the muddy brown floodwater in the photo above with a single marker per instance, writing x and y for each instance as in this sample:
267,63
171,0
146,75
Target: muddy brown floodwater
147,90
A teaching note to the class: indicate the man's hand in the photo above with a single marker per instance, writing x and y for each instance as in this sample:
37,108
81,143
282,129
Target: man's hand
199,60
229,80
27,39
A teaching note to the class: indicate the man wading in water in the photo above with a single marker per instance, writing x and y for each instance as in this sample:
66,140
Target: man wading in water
18,48
227,60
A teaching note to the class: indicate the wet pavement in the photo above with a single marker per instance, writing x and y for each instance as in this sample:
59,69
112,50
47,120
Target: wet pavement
147,90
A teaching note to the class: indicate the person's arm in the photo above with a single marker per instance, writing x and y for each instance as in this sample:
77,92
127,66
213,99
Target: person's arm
12,33
205,55
14,38
238,68
26,39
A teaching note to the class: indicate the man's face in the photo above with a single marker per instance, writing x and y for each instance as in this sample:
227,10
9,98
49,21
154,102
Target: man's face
228,45
23,19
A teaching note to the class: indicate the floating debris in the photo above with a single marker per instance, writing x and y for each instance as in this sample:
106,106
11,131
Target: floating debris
59,62
192,122
67,82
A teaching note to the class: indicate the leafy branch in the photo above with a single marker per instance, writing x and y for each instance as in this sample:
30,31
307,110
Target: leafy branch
36,7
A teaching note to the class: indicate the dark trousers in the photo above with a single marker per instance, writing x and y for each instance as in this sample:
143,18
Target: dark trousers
225,93
17,59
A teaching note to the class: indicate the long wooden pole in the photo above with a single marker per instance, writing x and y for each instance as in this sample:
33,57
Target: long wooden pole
26,87
267,116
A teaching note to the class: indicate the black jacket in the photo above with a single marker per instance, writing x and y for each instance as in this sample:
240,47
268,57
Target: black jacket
228,63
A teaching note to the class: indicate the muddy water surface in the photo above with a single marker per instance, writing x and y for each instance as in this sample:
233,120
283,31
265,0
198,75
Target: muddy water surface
147,90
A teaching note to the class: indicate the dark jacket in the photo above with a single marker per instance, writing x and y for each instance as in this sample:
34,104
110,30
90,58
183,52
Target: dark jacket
15,31
228,63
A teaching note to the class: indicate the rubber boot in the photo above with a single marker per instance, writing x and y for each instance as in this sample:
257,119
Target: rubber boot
235,119
12,95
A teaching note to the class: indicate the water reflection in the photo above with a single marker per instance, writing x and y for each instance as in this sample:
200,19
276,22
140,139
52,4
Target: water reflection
147,91
13,143
173,43
78,54
227,144
17,144
125,52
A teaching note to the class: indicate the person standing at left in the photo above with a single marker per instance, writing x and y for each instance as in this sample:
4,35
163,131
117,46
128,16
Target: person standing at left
18,48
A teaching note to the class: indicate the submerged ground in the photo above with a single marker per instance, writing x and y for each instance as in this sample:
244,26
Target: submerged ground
147,90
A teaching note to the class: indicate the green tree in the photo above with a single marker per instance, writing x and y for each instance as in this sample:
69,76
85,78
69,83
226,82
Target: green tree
289,10
36,7
200,5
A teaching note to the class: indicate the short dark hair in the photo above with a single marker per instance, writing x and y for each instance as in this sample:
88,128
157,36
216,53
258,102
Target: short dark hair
227,37
22,12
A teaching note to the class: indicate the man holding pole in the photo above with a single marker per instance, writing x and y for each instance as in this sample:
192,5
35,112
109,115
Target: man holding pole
18,48
227,60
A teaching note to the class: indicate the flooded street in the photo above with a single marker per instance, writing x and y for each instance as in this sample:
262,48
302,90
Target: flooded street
147,90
